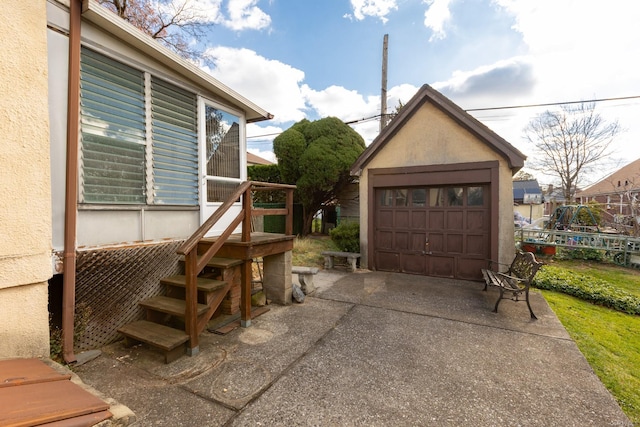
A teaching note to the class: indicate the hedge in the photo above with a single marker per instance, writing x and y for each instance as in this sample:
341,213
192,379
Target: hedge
587,288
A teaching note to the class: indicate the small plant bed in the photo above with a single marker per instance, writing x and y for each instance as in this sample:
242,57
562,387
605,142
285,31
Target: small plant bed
588,288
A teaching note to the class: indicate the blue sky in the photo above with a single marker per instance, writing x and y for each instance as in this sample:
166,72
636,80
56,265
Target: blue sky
311,59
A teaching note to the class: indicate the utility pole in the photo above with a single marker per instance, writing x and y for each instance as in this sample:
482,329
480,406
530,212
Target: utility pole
383,95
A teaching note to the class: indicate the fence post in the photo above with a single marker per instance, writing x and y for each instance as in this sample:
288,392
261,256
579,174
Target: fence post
191,300
288,227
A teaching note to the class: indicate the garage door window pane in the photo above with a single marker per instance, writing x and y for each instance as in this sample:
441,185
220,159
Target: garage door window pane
401,197
418,197
454,196
475,196
436,197
386,197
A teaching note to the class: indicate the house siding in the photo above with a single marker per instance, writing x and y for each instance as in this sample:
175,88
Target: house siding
104,225
25,216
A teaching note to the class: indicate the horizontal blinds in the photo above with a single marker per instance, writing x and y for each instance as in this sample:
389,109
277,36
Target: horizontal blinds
112,113
175,144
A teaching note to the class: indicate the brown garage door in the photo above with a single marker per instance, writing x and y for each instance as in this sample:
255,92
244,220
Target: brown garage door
439,231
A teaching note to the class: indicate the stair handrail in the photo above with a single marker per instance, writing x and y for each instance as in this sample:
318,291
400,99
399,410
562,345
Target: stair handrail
193,266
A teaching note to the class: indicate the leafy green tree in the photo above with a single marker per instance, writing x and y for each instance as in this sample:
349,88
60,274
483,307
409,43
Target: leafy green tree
316,157
266,173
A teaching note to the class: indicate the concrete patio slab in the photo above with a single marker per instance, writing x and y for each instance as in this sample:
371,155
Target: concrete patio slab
371,348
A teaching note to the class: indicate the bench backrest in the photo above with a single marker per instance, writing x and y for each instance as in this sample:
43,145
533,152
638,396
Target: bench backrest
524,266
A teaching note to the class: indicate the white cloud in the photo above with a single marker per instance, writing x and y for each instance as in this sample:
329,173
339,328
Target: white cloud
349,105
244,14
374,8
583,50
436,17
271,84
507,79
342,103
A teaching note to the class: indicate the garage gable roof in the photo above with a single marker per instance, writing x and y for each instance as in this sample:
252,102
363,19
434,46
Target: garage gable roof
428,94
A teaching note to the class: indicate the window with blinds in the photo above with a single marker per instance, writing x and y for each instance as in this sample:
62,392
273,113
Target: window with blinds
135,149
112,113
175,144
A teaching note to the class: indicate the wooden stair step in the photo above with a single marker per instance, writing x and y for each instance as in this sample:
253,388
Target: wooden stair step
172,306
219,262
203,284
155,334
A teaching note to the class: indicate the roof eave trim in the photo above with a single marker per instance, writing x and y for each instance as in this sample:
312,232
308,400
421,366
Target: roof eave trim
110,22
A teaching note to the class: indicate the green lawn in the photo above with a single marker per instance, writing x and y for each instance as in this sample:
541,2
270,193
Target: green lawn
609,339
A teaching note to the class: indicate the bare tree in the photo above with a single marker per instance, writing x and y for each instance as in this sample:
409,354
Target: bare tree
570,142
172,22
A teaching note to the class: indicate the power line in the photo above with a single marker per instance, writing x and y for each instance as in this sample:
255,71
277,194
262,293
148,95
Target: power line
552,104
509,107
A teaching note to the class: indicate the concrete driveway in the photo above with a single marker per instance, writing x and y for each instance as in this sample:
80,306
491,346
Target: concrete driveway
375,349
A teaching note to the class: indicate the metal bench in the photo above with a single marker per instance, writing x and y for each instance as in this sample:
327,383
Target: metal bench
351,258
516,280
305,277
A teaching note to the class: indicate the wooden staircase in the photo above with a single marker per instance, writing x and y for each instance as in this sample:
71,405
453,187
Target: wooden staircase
164,313
217,277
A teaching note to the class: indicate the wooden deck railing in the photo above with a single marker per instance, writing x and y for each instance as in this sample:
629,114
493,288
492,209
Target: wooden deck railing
194,264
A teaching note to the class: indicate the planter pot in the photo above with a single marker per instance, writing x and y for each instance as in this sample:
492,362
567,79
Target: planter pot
548,250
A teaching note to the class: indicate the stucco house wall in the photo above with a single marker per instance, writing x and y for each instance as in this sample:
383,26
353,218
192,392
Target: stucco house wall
433,143
431,137
25,199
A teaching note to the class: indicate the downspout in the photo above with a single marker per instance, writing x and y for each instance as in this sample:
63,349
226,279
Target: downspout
71,192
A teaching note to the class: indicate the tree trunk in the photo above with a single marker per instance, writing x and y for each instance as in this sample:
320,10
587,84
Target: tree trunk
307,222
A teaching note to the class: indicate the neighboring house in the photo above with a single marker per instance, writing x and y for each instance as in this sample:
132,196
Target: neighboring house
527,199
553,197
348,204
156,145
616,192
253,160
436,192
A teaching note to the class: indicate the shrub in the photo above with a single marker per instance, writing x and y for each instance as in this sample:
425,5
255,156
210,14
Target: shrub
586,254
587,288
346,236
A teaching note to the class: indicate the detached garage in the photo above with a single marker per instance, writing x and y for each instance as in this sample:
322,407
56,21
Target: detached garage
436,195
